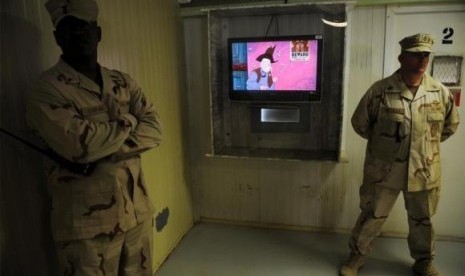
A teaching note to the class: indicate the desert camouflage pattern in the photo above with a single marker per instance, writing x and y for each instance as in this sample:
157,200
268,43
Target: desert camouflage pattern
405,128
84,124
417,43
376,203
404,132
127,254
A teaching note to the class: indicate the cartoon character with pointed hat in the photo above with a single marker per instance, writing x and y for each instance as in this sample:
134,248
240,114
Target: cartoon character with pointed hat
262,78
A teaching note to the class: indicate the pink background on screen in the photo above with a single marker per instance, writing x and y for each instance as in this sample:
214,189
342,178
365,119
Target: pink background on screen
292,75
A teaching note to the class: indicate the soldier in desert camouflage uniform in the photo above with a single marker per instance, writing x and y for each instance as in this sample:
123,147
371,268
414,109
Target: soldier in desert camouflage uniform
404,117
101,222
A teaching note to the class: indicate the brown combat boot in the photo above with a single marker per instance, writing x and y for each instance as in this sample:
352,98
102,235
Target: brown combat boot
424,268
352,265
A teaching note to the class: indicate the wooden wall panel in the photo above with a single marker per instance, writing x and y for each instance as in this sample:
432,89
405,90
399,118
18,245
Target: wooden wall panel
302,194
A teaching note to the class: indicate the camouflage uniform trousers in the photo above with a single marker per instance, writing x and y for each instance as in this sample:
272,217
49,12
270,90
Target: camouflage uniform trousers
128,254
376,203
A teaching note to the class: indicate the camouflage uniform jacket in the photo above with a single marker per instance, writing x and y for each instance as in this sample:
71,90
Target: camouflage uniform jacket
81,122
403,127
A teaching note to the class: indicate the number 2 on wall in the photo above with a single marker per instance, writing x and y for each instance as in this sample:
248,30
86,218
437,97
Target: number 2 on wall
448,33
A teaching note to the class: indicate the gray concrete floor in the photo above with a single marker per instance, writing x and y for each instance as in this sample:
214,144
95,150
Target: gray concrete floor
224,250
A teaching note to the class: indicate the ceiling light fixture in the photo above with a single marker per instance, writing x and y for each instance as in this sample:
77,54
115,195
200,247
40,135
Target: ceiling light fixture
335,24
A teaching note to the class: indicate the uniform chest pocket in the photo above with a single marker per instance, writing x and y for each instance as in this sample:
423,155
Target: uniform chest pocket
96,113
434,125
392,124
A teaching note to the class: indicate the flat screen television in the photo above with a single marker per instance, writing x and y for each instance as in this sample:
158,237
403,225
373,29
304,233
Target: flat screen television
282,68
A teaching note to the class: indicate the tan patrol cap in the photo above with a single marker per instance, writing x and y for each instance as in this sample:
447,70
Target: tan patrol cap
86,10
417,43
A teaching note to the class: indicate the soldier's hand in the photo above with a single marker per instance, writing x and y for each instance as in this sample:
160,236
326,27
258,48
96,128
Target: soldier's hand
128,121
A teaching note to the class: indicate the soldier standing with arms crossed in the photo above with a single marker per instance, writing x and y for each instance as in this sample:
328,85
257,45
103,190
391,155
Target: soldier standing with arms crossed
404,117
101,219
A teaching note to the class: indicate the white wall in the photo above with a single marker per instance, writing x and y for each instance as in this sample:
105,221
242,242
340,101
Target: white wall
300,194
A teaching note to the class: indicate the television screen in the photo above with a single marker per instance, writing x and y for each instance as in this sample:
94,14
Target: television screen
275,68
